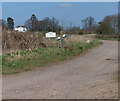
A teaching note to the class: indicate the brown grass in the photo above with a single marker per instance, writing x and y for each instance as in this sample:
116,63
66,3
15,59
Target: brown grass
15,41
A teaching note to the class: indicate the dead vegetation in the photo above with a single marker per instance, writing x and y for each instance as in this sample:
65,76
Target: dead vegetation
14,41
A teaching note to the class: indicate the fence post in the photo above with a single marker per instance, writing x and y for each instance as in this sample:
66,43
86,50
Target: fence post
62,43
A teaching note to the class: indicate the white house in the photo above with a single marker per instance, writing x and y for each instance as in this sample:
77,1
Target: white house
21,29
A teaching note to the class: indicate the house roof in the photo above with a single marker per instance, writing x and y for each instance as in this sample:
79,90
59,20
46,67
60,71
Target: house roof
21,26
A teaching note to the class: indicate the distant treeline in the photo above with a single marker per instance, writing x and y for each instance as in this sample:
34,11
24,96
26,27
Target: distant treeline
109,25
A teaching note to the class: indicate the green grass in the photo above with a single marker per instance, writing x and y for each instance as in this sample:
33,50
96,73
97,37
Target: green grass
116,78
0,64
114,39
29,59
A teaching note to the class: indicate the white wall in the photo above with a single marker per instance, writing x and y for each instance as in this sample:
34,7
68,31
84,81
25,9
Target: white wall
21,29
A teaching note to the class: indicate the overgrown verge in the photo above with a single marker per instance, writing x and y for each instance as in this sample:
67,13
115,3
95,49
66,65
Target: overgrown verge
15,41
113,37
29,59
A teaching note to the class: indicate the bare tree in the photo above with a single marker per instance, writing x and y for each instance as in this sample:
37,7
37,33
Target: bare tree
114,23
46,24
32,23
28,24
73,30
89,23
3,23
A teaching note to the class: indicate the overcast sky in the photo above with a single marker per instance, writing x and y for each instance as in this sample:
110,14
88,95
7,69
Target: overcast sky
65,12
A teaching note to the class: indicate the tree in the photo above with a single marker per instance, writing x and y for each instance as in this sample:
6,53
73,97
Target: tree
118,23
48,24
3,24
10,23
32,23
28,24
114,23
109,25
55,25
89,24
73,30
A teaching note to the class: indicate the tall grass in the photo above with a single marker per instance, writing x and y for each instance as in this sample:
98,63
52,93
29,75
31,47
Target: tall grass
29,59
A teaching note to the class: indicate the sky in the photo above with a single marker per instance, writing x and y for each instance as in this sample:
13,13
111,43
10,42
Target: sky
66,12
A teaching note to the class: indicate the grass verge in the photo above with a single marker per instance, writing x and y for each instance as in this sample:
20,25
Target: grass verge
29,59
113,39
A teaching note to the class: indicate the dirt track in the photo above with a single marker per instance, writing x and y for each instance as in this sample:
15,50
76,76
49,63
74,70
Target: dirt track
88,76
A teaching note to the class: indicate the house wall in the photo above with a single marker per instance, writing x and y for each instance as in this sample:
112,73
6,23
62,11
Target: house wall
21,29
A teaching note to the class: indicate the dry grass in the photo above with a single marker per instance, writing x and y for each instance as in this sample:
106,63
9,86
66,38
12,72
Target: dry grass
16,41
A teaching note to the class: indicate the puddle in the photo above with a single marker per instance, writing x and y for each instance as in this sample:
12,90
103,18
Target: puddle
109,59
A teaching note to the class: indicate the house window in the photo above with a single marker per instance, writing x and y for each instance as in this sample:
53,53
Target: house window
23,29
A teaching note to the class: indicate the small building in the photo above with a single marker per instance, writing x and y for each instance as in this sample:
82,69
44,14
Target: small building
21,29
